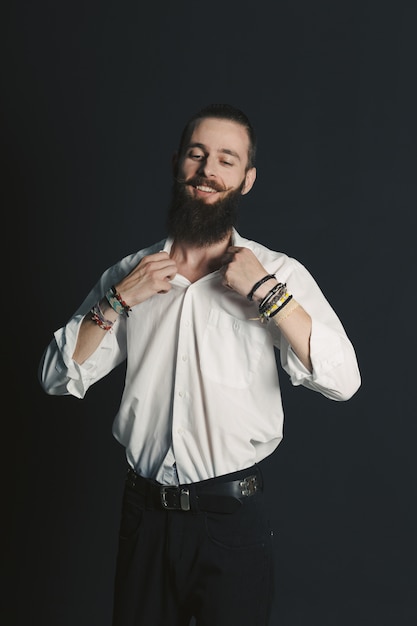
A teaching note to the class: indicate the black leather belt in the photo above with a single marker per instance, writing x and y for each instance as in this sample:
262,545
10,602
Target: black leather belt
213,495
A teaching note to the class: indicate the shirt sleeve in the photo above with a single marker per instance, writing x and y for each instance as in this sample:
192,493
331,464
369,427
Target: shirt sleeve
59,374
335,371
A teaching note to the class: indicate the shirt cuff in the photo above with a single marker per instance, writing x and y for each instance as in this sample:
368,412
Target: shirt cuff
80,377
326,353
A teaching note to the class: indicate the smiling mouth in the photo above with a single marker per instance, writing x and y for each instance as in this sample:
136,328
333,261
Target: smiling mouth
205,189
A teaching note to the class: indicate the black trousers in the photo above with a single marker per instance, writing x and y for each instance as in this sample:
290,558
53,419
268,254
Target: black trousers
175,565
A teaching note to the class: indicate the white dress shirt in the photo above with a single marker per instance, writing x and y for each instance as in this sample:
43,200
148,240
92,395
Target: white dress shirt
202,396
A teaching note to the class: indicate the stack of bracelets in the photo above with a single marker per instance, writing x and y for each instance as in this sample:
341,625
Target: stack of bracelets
116,302
275,300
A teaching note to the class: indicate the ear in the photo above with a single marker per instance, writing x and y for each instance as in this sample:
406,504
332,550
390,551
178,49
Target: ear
249,180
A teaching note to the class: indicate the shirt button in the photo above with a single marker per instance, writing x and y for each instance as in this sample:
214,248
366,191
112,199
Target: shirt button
181,394
184,357
180,431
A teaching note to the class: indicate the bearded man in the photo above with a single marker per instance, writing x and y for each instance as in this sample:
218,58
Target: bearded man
200,316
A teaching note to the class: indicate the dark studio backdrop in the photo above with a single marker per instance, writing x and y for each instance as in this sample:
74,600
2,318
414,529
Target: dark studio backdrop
94,97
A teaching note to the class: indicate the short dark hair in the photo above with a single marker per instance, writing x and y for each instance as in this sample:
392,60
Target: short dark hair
222,112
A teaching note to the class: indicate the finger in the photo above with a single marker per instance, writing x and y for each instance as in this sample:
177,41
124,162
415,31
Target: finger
226,283
170,276
166,265
227,258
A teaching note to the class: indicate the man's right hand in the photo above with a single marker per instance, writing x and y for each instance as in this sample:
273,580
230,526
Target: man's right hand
152,275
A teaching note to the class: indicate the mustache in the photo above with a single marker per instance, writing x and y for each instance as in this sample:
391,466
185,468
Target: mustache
197,181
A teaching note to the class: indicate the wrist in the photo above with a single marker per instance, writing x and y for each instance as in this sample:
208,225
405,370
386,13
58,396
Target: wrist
259,287
116,301
264,289
104,319
108,311
274,302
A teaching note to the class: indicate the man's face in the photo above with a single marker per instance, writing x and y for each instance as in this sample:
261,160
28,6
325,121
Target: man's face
211,178
215,159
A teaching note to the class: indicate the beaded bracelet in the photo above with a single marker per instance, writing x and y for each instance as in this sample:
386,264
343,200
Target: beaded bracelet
258,284
98,317
277,291
275,306
116,302
274,300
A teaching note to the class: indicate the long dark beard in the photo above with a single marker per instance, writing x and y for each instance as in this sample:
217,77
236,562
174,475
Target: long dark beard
193,221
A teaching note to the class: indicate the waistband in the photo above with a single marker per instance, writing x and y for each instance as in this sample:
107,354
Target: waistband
222,494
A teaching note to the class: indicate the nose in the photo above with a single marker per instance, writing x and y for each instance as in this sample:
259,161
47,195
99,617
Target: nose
208,167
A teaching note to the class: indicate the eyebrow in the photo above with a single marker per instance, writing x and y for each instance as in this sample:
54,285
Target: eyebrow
222,150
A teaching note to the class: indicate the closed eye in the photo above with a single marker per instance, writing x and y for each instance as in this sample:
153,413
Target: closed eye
197,156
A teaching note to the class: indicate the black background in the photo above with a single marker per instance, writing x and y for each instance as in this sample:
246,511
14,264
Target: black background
94,97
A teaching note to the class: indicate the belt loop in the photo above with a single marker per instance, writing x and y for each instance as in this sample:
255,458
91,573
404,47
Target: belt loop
194,508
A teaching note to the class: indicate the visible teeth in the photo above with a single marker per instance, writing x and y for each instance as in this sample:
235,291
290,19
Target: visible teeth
207,189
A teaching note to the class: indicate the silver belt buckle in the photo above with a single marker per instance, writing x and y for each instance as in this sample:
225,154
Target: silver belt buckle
183,498
249,485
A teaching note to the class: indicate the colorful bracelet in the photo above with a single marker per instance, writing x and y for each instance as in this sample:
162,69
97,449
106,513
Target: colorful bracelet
116,302
275,306
274,301
98,317
258,284
282,314
275,309
277,291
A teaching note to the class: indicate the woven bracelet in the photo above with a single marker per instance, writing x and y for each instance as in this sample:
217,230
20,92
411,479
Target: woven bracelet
276,310
258,284
277,292
276,305
98,317
283,314
116,302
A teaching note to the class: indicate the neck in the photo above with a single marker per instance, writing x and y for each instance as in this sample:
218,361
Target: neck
194,262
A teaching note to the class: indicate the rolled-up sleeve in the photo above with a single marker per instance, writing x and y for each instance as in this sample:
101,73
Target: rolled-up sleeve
59,374
335,371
